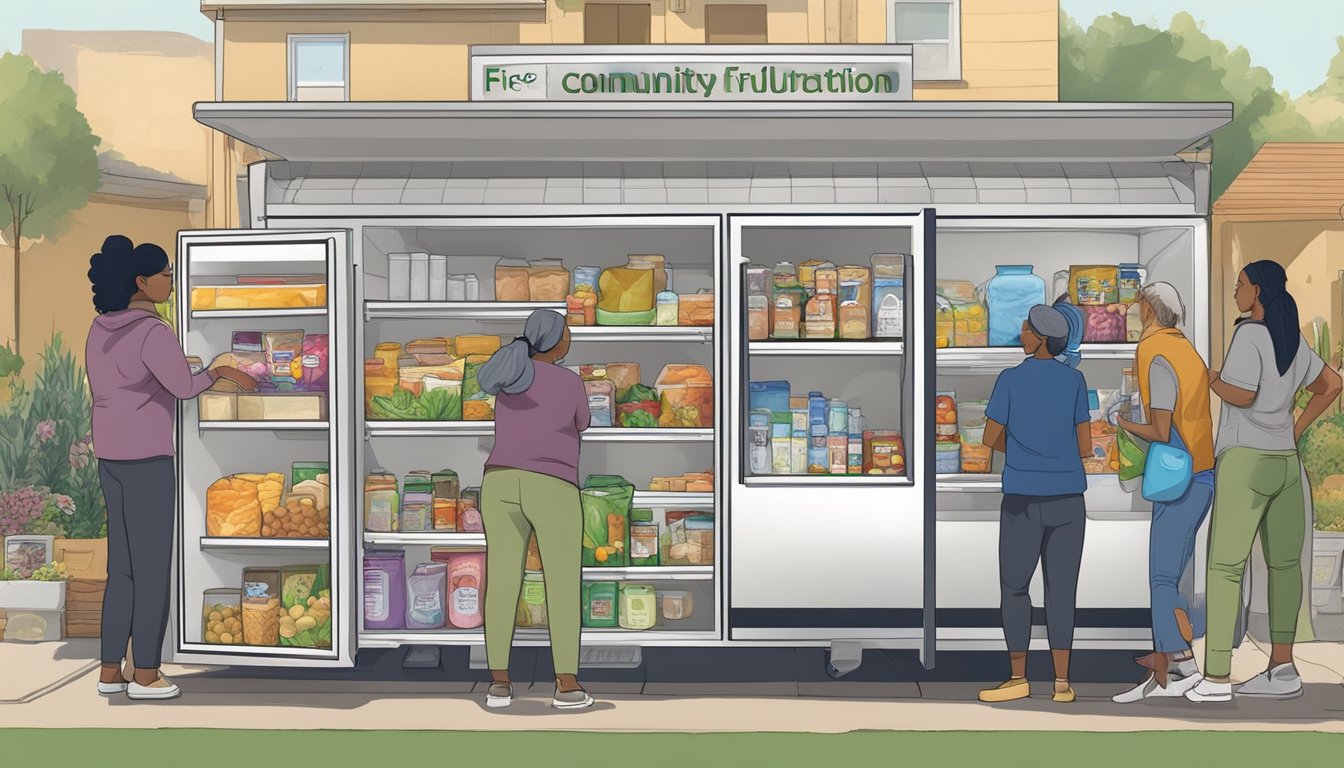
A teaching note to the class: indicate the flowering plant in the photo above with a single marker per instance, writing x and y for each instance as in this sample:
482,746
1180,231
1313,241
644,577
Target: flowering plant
19,509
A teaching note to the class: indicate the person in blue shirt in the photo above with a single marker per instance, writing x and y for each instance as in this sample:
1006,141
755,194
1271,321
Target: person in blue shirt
1038,418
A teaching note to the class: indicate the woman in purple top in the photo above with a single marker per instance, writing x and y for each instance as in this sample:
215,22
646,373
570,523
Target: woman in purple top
532,484
137,373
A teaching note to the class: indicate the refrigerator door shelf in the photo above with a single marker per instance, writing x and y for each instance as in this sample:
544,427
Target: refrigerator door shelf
382,429
824,481
991,360
256,314
245,544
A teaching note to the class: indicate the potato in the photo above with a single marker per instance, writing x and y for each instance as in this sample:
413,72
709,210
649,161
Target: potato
296,612
226,638
211,637
287,631
305,623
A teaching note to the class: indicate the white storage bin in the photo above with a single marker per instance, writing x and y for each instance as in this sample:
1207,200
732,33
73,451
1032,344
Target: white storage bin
33,595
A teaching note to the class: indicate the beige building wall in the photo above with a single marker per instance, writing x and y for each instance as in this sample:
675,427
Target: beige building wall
56,293
136,90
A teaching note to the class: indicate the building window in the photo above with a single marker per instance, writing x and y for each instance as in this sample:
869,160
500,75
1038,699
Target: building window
735,24
319,67
617,23
933,27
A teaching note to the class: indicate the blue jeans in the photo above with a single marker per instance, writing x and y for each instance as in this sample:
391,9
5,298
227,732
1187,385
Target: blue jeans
1171,546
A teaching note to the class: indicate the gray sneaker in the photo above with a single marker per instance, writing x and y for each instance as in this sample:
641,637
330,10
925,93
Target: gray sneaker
1281,682
499,696
577,699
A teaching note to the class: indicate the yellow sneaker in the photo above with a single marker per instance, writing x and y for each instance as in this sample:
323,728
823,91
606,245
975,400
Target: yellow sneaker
1014,689
1065,696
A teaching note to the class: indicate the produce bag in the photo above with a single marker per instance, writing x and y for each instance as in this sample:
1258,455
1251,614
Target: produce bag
443,404
305,593
606,525
639,406
686,397
1133,453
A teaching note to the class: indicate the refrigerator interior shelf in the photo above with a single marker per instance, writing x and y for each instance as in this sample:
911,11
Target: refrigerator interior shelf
253,543
970,484
658,499
995,359
825,481
487,429
224,314
838,348
651,573
264,426
694,334
243,651
532,637
456,310
427,538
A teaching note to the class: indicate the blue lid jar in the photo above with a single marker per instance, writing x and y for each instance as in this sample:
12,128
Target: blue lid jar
1011,294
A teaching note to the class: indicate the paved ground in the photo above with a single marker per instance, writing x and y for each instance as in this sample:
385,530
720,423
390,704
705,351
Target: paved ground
51,685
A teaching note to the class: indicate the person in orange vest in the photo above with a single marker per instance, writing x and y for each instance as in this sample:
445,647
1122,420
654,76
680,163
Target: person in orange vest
1173,388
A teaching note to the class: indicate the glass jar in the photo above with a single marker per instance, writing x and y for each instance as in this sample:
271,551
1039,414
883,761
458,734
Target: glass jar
511,279
261,606
677,605
547,280
1011,294
221,616
305,596
961,320
655,262
667,309
644,544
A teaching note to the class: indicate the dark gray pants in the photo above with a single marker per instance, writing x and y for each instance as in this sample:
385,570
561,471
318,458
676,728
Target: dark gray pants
1046,530
141,500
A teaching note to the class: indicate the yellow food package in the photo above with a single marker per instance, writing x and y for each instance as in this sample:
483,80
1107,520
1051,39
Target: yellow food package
475,344
233,504
625,289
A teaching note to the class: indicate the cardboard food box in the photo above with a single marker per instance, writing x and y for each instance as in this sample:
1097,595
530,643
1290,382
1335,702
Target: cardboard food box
298,406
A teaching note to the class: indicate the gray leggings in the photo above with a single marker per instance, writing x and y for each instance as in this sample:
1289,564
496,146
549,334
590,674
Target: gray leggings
1046,530
141,500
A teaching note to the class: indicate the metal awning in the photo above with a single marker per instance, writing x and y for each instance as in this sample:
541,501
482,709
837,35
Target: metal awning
913,131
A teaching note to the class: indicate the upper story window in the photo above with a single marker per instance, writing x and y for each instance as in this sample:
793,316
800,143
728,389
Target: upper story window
319,67
933,27
617,23
736,24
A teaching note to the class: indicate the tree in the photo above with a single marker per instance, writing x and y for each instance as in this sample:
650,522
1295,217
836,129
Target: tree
1117,60
48,159
1325,104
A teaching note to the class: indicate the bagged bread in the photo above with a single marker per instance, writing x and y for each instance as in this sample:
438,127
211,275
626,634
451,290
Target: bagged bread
233,504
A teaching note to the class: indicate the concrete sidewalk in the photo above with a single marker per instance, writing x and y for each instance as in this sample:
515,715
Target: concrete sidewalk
66,698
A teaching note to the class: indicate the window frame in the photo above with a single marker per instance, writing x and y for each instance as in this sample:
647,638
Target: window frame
954,71
764,5
292,42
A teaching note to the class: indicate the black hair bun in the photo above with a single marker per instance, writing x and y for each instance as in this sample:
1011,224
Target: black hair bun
114,269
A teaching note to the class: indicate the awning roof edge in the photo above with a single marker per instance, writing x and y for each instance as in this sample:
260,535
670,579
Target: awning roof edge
930,131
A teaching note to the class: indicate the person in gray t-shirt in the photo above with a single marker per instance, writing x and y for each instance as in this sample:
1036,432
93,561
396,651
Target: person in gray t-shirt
1259,487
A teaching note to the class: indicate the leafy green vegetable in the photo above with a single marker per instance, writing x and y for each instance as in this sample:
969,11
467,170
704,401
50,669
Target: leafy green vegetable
442,405
638,394
401,406
639,419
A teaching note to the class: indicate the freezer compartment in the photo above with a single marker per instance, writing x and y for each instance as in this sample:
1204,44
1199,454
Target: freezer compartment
1114,574
688,246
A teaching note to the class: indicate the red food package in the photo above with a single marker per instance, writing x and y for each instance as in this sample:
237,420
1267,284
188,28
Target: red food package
1105,324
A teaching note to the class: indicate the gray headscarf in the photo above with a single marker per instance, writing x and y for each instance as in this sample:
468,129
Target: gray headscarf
1052,325
510,369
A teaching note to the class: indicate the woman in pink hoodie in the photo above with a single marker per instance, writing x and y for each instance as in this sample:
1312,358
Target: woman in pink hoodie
137,373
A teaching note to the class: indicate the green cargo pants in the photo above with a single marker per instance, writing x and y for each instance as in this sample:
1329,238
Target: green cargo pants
1256,491
515,502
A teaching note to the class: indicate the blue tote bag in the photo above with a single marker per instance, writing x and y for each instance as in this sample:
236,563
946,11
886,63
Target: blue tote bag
1168,471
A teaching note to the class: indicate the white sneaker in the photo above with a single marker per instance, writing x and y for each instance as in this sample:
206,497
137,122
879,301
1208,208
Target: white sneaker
156,691
572,699
1149,689
499,696
1281,682
1209,691
110,689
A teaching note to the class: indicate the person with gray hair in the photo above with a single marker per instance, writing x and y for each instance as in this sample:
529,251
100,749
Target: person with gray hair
532,485
1038,417
1174,392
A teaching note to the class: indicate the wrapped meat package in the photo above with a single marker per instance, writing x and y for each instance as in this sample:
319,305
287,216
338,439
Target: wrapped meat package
1106,324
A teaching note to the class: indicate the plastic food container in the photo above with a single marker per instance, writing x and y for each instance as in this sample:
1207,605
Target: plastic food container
976,457
381,502
601,402
644,544
427,596
469,512
511,279
384,589
759,281
584,280
962,320
662,278
883,452
1011,294
298,516
677,605
947,458
261,606
399,277
221,616
278,295
971,414
639,607
695,309
601,604
547,280
945,417
686,396
466,589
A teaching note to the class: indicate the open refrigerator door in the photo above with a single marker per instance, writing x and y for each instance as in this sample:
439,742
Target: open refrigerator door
830,455
263,564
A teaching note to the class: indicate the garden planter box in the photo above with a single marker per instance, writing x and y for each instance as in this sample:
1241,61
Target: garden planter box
84,607
33,595
84,558
25,625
